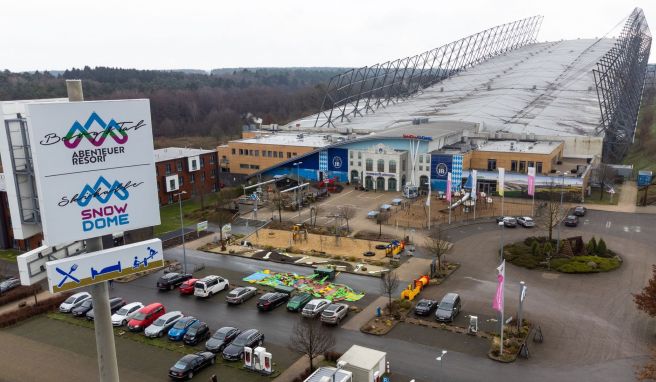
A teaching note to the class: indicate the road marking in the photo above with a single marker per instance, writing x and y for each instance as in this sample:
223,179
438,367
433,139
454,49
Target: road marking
608,224
626,229
638,229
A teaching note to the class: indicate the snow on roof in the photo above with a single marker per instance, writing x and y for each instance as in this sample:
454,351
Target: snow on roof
177,153
286,139
543,88
362,357
541,147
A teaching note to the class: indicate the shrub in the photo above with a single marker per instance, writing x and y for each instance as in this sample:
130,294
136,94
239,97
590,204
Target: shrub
52,303
535,246
601,248
19,293
548,249
526,261
592,246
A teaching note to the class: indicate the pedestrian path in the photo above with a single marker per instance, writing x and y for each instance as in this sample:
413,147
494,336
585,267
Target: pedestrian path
12,306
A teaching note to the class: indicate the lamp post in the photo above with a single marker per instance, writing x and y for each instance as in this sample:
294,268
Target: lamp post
298,190
560,210
502,225
184,252
439,359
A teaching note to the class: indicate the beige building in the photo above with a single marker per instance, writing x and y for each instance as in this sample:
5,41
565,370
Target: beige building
258,150
516,156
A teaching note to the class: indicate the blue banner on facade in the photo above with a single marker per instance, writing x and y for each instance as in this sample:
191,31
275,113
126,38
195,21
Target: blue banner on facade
440,166
338,160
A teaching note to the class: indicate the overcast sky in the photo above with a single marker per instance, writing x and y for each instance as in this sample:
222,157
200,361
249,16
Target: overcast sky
229,33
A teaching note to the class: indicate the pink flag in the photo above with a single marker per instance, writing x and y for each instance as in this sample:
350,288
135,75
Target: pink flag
448,187
531,181
498,298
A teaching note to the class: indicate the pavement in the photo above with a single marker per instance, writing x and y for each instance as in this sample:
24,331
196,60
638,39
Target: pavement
27,300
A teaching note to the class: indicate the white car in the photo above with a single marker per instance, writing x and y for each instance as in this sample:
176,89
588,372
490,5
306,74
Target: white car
74,301
163,324
210,285
314,307
125,314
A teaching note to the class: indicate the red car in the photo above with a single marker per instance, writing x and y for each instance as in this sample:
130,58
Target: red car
146,316
187,287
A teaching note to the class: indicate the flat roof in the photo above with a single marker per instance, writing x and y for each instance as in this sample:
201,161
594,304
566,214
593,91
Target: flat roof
177,153
327,371
543,88
290,139
362,357
539,147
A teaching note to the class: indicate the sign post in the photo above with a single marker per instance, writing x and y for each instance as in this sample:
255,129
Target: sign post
522,296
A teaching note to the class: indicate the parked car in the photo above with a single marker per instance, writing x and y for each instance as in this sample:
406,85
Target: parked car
270,301
525,221
334,313
579,211
250,338
190,364
509,222
571,221
74,301
210,285
297,302
314,307
240,294
221,338
197,332
83,308
115,304
448,308
9,284
187,287
146,316
125,314
172,280
163,324
424,307
372,214
177,332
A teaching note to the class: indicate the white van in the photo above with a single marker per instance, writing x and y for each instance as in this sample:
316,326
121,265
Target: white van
210,285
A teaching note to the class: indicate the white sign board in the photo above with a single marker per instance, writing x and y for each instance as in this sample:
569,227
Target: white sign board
201,226
94,166
32,265
83,270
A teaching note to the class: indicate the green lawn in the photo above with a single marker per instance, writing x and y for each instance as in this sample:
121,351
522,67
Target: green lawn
606,199
9,254
642,154
170,214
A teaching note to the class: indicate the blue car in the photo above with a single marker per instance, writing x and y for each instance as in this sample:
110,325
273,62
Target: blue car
177,332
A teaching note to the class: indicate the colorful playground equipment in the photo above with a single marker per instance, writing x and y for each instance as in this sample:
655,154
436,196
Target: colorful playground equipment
412,291
299,232
394,248
317,284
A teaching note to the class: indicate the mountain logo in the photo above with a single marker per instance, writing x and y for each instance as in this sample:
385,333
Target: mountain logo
102,191
79,132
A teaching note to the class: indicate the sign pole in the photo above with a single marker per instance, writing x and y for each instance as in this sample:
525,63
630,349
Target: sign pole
105,346
522,294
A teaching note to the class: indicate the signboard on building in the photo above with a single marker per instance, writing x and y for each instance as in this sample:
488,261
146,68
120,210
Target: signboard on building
94,167
83,270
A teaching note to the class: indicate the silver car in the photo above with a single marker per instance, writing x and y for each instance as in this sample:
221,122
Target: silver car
240,294
525,221
334,313
314,307
163,324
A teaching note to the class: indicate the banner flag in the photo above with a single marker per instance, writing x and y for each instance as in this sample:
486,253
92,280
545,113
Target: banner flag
498,298
448,187
531,181
501,185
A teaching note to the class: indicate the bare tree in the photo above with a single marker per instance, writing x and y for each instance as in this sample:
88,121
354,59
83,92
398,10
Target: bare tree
382,217
348,212
604,175
389,282
551,210
436,246
278,202
311,338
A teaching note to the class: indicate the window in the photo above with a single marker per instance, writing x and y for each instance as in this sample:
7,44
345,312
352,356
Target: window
255,167
351,164
192,178
421,167
392,165
170,198
241,152
251,153
359,155
538,167
370,164
243,165
181,180
269,154
421,159
234,151
513,165
257,153
279,154
380,165
359,164
213,173
202,162
351,154
522,166
171,184
403,164
289,155
294,154
179,165
275,154
491,164
213,158
428,158
202,177
531,164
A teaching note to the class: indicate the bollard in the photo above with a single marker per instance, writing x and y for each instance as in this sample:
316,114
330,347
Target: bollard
378,312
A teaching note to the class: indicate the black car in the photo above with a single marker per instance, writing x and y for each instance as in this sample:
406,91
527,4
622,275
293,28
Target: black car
579,211
250,338
272,300
571,221
199,331
190,364
172,280
424,307
115,304
221,339
82,309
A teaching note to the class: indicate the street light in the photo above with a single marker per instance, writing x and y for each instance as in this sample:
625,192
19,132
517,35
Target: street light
184,252
439,359
298,191
560,210
502,225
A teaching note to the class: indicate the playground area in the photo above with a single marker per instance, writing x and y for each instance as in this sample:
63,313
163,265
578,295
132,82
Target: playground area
309,242
415,213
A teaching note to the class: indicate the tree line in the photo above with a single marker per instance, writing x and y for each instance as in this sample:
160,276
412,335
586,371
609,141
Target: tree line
188,103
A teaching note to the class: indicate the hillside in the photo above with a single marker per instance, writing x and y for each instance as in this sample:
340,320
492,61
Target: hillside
643,151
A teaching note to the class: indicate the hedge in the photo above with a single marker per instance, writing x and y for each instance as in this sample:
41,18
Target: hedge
19,293
14,317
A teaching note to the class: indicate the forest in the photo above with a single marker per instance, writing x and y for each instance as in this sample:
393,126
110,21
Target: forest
189,102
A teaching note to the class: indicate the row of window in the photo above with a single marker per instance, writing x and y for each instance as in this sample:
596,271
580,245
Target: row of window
380,165
170,198
179,164
249,166
265,153
517,166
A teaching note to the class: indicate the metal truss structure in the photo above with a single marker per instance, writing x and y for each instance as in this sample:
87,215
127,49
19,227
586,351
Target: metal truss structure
619,79
366,89
650,77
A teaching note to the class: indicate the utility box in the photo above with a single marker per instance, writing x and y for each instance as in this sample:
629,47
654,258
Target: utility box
644,178
365,364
